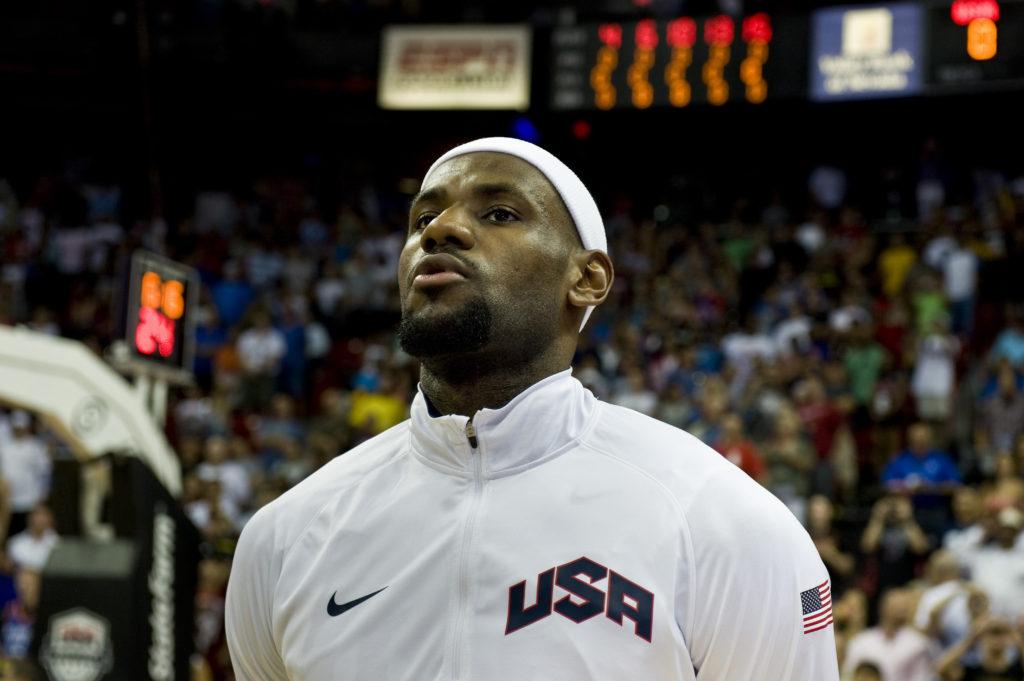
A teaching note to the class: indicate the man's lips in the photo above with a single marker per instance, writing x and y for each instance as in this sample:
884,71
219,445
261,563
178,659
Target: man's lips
438,270
436,279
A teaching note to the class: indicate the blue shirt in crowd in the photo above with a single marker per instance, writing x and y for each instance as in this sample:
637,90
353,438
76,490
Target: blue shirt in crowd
909,469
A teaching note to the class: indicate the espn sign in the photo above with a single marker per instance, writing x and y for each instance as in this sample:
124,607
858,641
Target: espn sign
455,67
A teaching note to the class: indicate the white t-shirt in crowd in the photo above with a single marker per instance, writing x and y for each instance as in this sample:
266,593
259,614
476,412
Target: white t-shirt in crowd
1000,573
260,350
963,542
960,272
907,656
935,370
25,465
31,552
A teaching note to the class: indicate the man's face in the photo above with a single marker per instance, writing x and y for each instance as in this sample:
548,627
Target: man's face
486,263
919,438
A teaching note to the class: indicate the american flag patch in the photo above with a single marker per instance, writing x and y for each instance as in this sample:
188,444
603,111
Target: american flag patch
817,607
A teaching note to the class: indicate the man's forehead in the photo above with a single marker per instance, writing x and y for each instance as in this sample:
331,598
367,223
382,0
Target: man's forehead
491,167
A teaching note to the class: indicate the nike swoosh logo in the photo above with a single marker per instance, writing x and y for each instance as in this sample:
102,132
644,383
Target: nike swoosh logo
333,609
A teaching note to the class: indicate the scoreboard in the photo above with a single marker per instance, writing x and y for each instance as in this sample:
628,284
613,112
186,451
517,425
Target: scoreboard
683,61
675,62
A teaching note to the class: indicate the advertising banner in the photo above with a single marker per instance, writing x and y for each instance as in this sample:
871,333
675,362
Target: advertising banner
455,67
867,52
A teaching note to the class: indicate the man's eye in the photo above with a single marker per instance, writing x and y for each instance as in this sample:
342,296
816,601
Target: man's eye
501,215
423,220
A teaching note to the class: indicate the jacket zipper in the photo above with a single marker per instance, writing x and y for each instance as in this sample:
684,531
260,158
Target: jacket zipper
467,538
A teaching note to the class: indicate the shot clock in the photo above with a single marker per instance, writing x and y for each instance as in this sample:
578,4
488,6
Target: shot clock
161,296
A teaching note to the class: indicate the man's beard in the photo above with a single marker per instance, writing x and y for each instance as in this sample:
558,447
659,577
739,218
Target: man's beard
458,332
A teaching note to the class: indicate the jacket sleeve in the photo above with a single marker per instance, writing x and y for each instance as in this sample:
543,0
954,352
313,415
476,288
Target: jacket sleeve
762,597
248,608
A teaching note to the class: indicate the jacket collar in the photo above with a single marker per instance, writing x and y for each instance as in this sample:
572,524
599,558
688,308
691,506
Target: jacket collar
536,424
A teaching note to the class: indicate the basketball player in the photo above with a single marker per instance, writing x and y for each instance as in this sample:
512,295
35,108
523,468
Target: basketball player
516,528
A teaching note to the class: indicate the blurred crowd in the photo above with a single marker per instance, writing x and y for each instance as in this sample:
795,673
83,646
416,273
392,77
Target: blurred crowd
870,373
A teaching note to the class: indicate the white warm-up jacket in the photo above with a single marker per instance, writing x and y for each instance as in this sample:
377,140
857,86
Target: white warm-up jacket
556,538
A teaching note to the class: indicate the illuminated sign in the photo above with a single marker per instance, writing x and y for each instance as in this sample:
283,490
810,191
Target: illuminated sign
867,52
159,317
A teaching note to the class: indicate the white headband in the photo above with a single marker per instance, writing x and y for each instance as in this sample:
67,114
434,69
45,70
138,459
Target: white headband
575,196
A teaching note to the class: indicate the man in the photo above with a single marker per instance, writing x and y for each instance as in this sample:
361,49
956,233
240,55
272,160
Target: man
260,349
25,466
515,527
899,651
998,648
1001,420
31,549
943,612
997,567
926,473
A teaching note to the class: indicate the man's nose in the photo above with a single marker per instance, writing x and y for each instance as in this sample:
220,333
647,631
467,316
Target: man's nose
450,228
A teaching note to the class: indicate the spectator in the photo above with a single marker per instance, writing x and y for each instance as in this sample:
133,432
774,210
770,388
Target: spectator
789,460
1009,344
942,611
374,411
25,465
926,473
1000,649
893,541
895,263
31,549
830,545
18,618
960,274
260,351
850,614
233,476
997,567
967,532
231,295
928,302
734,446
673,407
1001,421
635,394
934,378
864,361
899,651
823,421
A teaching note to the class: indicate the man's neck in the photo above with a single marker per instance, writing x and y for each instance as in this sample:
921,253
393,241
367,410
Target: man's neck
467,387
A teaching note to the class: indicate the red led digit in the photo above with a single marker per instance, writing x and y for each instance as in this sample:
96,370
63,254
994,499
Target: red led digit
646,34
610,35
682,32
154,333
719,31
757,27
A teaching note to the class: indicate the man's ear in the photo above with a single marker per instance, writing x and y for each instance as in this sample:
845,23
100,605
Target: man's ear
594,275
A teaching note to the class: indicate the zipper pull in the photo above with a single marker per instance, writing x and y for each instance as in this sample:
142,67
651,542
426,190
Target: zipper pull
471,434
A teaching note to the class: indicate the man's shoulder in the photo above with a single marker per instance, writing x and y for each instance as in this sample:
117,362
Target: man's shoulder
283,519
704,484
